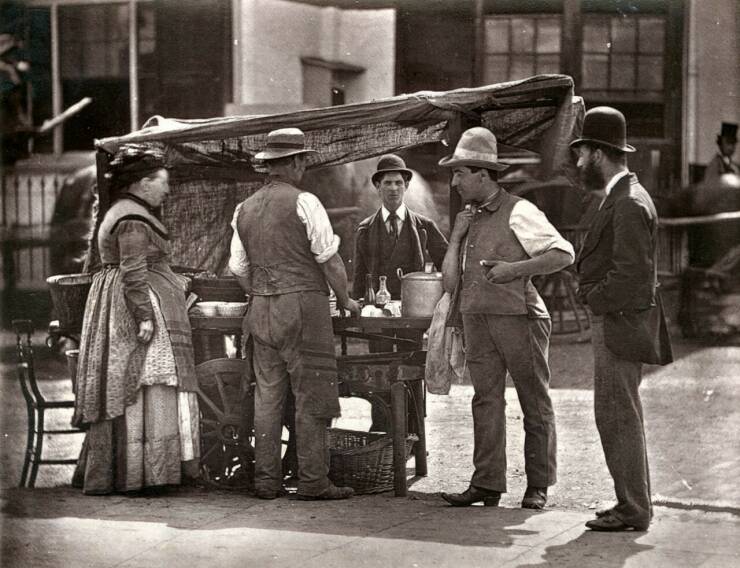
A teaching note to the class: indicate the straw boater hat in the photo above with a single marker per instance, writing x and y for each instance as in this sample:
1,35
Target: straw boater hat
477,147
604,126
283,143
391,163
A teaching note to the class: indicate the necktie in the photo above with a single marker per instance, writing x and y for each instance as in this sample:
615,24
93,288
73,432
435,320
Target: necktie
393,226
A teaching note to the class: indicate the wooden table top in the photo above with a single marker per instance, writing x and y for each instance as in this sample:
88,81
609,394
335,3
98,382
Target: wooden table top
234,324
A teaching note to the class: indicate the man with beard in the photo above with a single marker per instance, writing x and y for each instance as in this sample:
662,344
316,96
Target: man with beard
618,280
497,244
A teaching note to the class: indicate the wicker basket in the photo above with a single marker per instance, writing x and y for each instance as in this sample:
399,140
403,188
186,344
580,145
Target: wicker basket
69,295
363,460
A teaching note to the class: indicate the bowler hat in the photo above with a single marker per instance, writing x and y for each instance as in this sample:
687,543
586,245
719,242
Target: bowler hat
477,147
282,143
729,131
605,126
391,163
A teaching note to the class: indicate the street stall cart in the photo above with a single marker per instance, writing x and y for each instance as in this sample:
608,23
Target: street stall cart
212,170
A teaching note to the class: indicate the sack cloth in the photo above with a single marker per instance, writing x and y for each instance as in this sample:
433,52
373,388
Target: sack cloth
445,356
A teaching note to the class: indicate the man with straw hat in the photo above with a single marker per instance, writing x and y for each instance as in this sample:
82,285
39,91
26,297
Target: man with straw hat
283,253
618,271
497,244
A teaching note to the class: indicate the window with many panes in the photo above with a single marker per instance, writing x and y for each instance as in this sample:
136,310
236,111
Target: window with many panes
516,47
623,57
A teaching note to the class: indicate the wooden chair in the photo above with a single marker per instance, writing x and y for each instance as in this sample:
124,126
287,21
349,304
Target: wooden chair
36,406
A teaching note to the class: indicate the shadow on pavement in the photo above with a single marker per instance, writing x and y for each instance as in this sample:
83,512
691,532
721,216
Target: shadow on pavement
605,550
420,517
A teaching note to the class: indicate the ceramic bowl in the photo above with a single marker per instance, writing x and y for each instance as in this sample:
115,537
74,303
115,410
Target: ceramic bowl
231,309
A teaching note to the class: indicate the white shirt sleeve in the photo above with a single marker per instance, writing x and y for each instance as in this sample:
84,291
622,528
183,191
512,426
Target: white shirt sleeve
534,232
324,243
238,261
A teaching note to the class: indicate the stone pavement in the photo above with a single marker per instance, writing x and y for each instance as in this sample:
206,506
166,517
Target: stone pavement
59,527
693,418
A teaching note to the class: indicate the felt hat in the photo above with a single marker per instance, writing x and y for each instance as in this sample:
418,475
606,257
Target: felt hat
729,131
282,143
605,126
391,163
477,147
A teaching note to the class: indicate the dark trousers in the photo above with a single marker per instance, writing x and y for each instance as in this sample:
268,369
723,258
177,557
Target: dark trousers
496,344
293,349
620,422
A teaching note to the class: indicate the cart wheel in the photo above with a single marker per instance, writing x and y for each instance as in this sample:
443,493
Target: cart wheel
226,424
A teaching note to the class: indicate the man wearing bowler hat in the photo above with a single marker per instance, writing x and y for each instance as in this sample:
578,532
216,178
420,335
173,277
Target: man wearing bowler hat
618,282
722,163
497,244
283,253
393,238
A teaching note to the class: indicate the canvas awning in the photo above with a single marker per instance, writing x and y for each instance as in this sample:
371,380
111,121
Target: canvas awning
212,165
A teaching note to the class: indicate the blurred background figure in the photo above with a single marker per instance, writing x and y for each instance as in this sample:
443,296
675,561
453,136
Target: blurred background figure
15,122
723,162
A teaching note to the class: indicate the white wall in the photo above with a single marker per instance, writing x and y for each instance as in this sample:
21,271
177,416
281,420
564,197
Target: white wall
271,36
712,74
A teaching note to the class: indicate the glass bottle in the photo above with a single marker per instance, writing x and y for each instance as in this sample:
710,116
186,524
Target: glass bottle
369,291
383,296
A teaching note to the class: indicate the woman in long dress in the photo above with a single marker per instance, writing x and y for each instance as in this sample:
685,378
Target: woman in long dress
136,377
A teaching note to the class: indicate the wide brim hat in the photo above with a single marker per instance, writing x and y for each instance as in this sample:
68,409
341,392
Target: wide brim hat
391,163
604,126
477,147
284,142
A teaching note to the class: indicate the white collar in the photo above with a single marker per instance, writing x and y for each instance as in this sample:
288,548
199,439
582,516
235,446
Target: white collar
615,179
400,212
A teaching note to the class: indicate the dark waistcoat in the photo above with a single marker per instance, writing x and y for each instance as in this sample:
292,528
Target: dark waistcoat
278,249
490,238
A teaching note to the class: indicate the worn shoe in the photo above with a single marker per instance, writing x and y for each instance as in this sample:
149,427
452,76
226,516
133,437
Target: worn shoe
609,523
330,494
534,498
472,494
270,493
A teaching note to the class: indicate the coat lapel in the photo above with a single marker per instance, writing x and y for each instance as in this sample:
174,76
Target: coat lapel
413,222
375,234
603,217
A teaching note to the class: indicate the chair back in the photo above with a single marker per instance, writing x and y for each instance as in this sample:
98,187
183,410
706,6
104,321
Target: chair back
26,373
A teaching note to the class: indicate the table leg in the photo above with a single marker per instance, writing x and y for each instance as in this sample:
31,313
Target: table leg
420,451
398,416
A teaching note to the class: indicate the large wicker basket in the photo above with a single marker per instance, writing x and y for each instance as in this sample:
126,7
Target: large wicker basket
69,295
363,460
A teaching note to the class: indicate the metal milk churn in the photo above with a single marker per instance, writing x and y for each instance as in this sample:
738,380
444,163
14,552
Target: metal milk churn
420,292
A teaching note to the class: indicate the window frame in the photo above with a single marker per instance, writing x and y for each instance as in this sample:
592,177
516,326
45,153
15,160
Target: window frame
56,70
510,54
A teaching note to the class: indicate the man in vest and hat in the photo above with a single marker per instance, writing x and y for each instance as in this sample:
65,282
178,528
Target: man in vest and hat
497,244
722,163
393,238
618,282
284,252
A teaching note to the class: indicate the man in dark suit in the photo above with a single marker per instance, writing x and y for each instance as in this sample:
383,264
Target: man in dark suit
722,163
391,238
394,236
618,281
